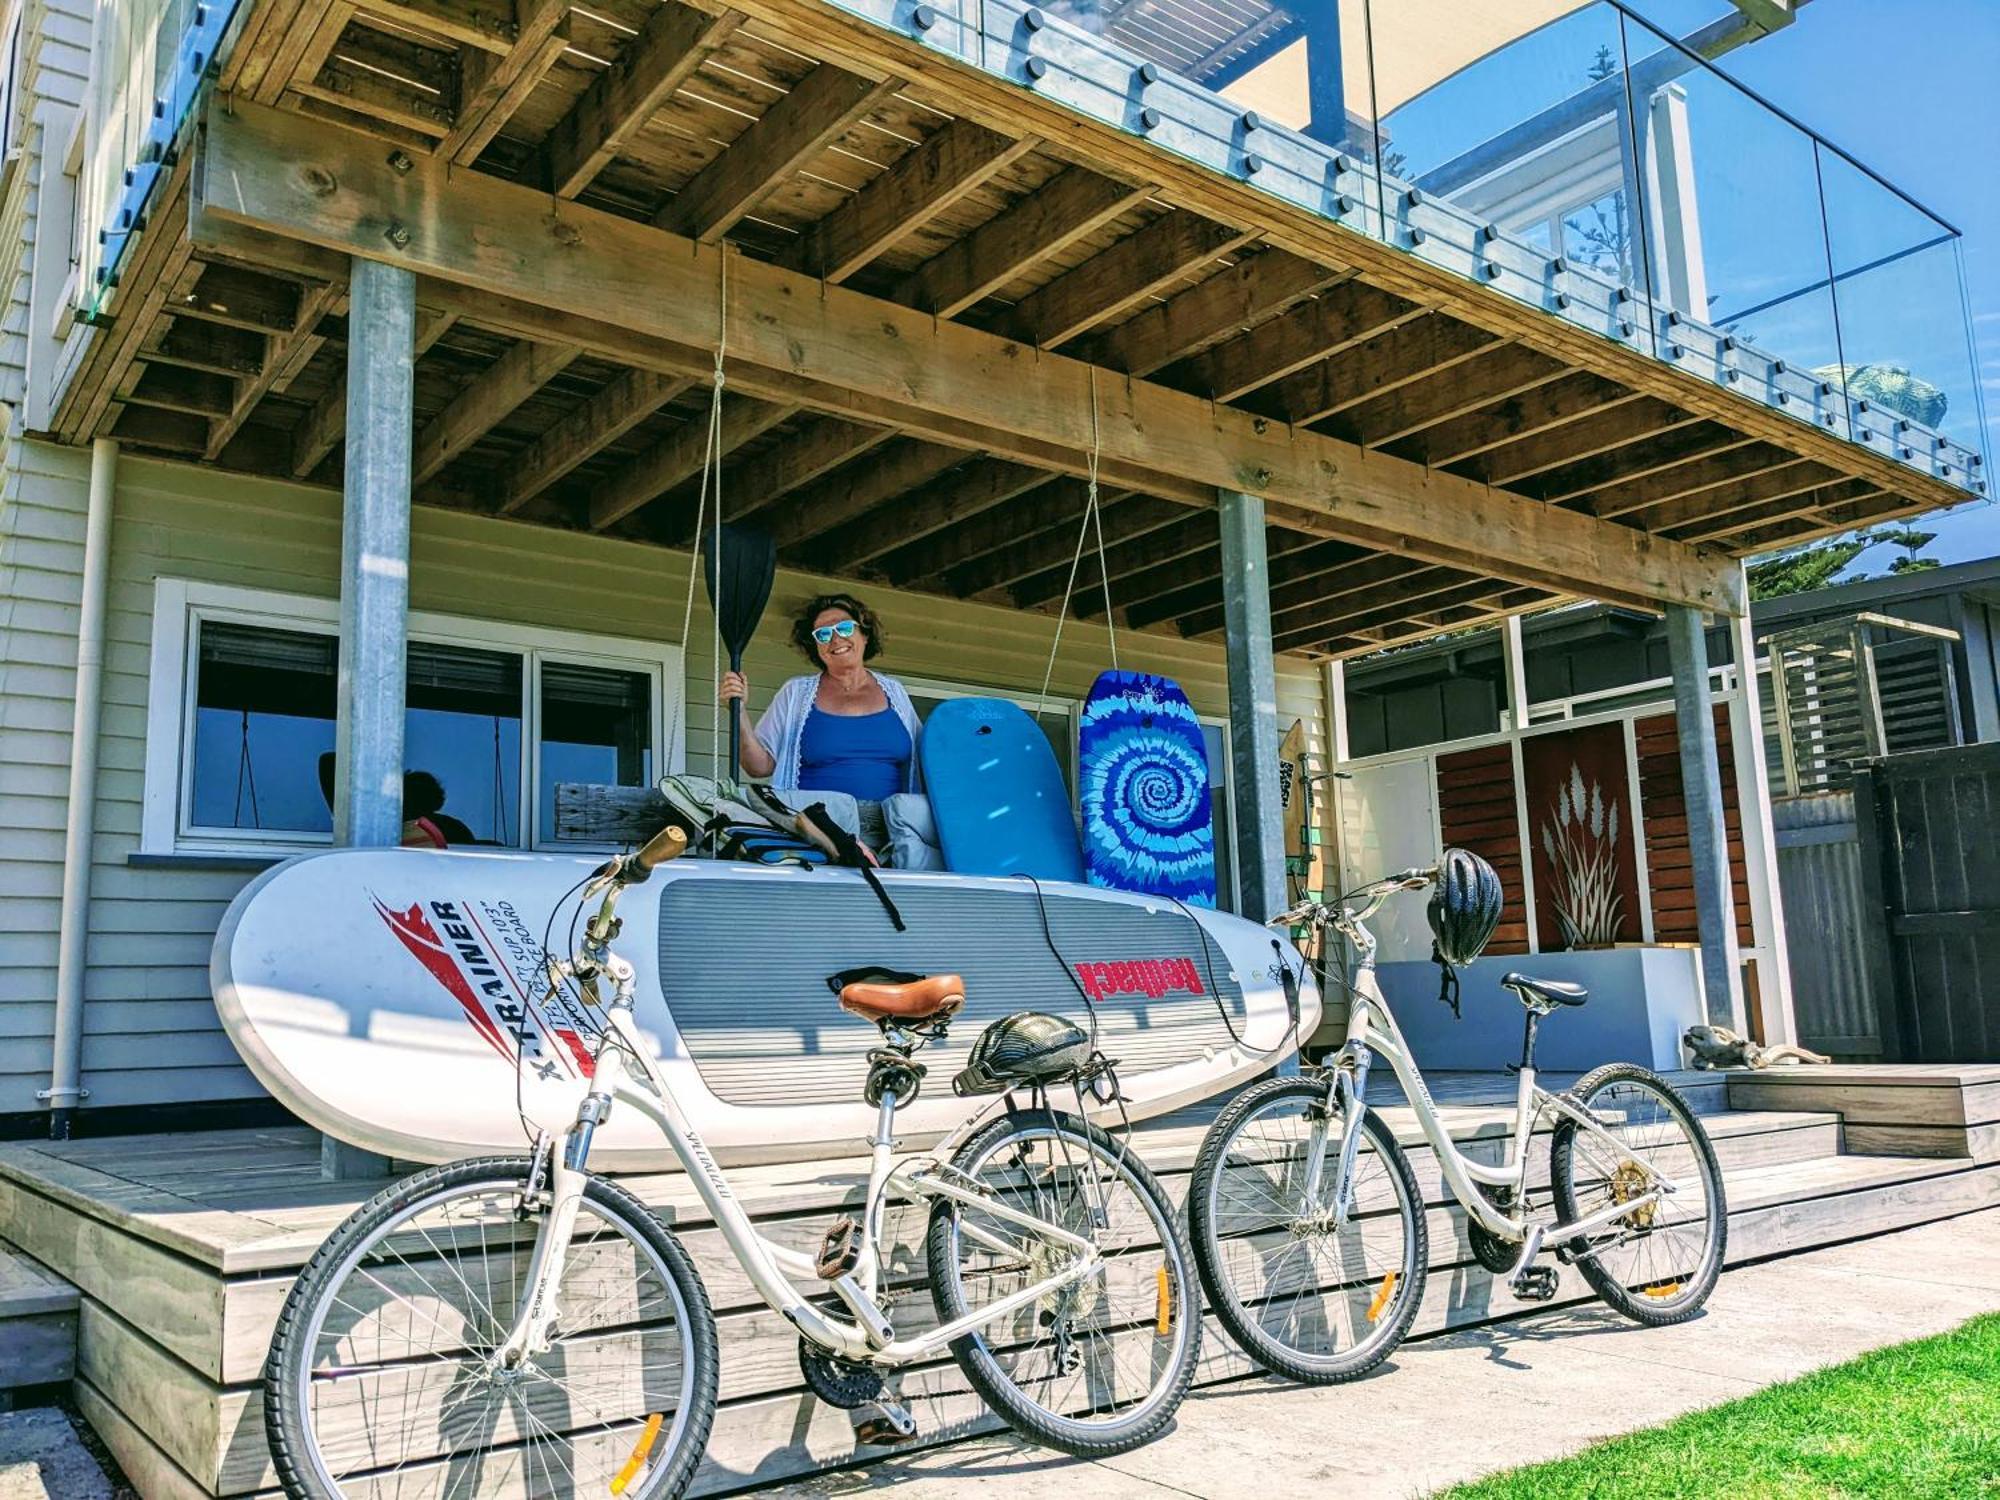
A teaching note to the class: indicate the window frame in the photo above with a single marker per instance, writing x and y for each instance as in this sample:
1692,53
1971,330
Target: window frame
179,607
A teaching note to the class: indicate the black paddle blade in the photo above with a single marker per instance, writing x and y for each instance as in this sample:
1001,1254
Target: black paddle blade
748,563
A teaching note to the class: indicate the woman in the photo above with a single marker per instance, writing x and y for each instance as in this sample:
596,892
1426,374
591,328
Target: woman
839,728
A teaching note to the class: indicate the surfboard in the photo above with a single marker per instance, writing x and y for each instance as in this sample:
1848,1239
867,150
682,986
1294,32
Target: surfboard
393,997
997,793
1148,824
1294,796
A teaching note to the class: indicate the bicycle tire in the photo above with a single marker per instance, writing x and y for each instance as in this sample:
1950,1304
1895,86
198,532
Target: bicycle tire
1241,1315
977,1357
287,1418
1648,1307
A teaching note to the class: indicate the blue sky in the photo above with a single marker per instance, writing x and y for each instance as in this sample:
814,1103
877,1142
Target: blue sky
1909,89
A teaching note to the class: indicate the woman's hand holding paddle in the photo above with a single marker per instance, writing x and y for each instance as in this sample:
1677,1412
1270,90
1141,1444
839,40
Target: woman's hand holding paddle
734,686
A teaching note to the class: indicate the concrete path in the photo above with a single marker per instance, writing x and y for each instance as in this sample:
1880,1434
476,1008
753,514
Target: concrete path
1454,1408
42,1458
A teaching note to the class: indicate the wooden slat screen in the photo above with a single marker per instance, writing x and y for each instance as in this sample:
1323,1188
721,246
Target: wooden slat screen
1476,811
1669,867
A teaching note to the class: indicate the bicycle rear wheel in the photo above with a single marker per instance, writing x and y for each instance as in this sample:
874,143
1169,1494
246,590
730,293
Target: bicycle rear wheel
1658,1263
1099,1366
1306,1299
380,1379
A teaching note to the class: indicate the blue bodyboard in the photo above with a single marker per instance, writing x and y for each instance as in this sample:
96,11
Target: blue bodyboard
997,793
1147,820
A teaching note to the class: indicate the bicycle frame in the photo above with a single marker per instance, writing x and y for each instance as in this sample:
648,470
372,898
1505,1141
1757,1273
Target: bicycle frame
1372,1030
625,1074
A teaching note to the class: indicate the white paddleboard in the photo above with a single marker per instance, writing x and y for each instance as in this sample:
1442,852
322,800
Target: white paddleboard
394,997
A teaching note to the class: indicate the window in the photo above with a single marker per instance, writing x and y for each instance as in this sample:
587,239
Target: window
244,687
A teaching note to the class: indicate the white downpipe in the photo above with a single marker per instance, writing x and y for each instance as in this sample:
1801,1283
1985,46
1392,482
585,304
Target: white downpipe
65,1089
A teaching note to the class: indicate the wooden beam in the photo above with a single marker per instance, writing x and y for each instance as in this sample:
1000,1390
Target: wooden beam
1235,299
234,352
587,430
678,456
1349,314
320,432
784,138
1062,211
469,23
673,44
1118,278
1405,354
844,497
284,357
1549,407
974,490
1498,375
926,180
192,392
637,294
487,401
491,89
821,447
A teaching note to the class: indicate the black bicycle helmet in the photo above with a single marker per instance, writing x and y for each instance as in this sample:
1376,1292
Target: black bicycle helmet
1465,906
1026,1047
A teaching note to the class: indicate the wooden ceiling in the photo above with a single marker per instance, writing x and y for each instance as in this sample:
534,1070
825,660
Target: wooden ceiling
712,125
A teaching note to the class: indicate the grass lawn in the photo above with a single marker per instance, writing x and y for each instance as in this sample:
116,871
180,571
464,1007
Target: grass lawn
1920,1421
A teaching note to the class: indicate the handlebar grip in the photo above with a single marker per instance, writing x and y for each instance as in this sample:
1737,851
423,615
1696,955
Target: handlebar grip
669,843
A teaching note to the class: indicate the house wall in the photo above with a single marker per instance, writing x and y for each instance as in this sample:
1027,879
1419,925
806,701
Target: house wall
151,1034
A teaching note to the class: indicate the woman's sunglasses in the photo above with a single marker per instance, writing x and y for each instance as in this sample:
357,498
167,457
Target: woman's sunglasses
842,628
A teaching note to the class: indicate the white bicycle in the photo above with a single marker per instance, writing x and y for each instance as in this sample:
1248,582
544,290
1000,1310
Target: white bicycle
516,1326
1309,1224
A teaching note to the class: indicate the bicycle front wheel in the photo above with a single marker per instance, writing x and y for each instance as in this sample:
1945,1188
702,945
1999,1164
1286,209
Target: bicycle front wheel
381,1379
1658,1262
1095,1367
1309,1293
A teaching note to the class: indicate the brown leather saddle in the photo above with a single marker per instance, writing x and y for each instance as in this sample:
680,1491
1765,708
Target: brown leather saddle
889,996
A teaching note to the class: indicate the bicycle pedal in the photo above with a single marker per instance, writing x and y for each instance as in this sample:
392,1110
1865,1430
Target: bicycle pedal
883,1424
1535,1284
840,1251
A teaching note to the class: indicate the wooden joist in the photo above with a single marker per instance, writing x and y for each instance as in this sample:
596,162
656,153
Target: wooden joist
645,297
787,135
1147,534
487,401
930,177
1403,355
1121,517
585,430
973,490
322,428
1710,471
284,358
818,448
678,457
668,50
1062,211
1567,483
491,88
1052,502
1348,314
850,493
1118,278
1167,592
1499,375
1549,407
1324,572
1256,288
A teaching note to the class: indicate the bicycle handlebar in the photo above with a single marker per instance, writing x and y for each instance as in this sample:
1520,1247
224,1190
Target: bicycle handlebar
669,843
1366,897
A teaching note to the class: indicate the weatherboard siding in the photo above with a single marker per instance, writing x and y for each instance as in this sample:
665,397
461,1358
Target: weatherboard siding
151,1034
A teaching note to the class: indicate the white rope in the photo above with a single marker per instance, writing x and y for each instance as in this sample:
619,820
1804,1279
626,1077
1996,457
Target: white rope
711,462
1091,517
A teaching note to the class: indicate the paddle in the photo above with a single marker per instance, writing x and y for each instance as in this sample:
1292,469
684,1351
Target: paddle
739,586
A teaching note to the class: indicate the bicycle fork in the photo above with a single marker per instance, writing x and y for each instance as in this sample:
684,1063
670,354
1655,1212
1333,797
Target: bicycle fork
1346,1098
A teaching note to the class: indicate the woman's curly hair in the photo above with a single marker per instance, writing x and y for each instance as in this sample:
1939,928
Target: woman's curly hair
819,604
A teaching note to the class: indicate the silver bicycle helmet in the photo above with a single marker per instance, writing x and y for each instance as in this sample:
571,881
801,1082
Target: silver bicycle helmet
1465,906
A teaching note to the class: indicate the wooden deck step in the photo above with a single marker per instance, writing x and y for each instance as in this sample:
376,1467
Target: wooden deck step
38,1312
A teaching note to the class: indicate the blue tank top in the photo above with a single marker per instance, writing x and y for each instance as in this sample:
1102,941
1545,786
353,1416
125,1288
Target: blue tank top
865,755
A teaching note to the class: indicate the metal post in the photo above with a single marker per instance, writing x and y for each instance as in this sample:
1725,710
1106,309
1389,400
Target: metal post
1253,711
1701,789
374,587
1760,839
65,1090
1514,671
374,557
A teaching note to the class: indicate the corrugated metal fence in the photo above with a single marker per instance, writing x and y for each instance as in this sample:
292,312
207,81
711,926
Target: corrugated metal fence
1837,938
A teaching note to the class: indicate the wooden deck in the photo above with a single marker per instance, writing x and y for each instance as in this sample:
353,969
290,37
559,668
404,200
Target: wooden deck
184,1246
909,236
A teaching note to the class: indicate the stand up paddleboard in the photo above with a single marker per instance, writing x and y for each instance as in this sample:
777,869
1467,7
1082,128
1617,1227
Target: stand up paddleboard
392,997
996,792
1148,824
